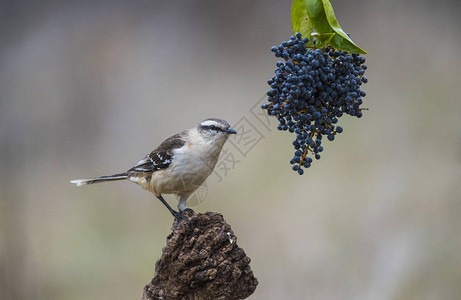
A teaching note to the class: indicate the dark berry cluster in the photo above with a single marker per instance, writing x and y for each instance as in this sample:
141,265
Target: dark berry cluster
311,89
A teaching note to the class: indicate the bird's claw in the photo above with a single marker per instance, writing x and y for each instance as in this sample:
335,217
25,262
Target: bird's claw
179,214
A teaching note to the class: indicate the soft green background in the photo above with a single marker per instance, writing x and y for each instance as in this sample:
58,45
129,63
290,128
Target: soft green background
89,87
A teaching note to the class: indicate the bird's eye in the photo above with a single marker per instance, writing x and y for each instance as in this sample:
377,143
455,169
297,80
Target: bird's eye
212,127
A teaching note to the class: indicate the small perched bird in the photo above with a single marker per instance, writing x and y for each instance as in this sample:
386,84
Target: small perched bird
179,165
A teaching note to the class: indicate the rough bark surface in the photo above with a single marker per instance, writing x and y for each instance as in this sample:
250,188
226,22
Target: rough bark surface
201,261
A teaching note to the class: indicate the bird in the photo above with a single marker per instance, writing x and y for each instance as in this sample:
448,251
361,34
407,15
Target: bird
179,165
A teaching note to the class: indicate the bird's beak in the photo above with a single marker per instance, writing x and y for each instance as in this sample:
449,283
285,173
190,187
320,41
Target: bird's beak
231,131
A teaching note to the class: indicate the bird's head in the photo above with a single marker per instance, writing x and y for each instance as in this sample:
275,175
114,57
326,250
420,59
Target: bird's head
214,130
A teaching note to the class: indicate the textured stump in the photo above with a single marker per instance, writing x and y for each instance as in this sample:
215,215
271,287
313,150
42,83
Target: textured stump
201,261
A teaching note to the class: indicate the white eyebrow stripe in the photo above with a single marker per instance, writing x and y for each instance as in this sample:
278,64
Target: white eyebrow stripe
209,123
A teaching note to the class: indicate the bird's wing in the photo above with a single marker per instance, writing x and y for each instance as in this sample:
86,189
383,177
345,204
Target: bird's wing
161,157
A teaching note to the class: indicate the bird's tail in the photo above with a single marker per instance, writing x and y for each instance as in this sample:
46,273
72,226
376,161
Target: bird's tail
80,182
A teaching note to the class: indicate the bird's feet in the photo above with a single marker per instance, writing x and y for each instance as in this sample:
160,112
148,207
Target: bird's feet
179,214
176,214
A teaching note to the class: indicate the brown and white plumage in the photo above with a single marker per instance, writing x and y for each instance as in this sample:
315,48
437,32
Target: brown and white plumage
179,165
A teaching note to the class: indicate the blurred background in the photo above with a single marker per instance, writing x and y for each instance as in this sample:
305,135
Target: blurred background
88,88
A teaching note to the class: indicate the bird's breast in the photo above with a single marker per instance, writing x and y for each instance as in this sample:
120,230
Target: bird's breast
196,159
190,167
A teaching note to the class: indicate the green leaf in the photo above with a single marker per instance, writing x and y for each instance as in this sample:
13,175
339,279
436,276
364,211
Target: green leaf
343,41
321,16
324,39
317,17
300,20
